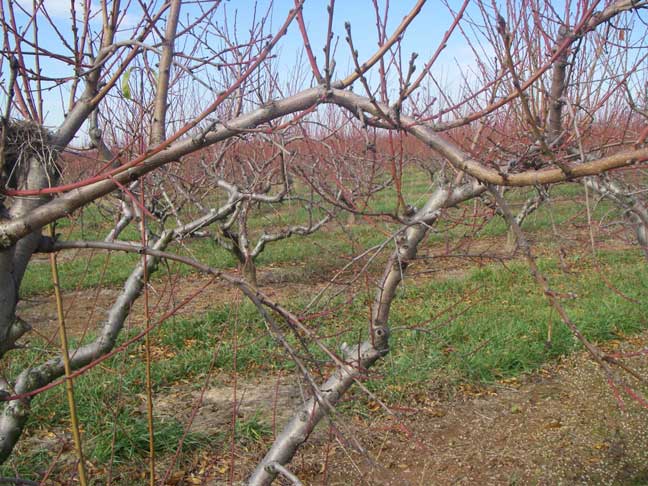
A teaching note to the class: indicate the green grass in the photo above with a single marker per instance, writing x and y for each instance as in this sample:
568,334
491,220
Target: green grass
501,330
110,399
131,439
321,250
79,273
252,430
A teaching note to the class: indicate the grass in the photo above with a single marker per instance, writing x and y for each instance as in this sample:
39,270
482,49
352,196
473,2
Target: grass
323,250
253,430
493,336
500,330
487,324
110,398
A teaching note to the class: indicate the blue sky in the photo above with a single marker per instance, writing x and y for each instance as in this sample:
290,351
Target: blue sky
423,36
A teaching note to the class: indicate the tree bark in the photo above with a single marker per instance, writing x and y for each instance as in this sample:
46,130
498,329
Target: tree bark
33,173
16,412
249,271
634,209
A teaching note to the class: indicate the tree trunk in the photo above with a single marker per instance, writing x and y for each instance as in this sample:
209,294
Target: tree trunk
635,211
511,240
359,358
248,271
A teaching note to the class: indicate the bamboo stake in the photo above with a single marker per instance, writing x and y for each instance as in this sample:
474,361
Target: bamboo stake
147,350
69,386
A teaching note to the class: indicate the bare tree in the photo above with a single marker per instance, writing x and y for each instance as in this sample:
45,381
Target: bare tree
530,63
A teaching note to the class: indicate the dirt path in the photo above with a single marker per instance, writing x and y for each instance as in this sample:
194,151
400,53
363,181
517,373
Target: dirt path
86,308
560,425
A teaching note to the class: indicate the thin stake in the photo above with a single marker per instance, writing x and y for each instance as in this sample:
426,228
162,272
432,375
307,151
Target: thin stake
147,350
69,386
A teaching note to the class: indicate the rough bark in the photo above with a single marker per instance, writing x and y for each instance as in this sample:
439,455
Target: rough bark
464,162
530,206
33,173
558,80
126,216
249,272
16,412
158,127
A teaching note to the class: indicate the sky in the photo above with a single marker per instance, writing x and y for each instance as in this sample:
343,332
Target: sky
422,37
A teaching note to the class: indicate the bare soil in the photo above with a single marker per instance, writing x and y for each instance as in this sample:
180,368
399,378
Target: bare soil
561,425
215,408
192,295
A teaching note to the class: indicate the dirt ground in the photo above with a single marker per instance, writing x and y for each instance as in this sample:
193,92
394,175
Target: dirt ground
562,425
559,426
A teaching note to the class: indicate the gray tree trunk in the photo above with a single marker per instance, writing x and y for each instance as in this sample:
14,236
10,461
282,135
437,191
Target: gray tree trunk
359,358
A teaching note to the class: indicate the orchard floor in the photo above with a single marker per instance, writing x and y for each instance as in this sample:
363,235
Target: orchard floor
560,425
